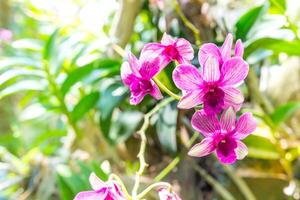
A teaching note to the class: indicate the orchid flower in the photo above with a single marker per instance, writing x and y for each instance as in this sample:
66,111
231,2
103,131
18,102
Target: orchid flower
101,191
137,75
223,136
221,54
170,49
214,87
165,194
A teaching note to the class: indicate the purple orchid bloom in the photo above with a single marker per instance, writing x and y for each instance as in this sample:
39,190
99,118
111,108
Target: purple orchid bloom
221,54
165,194
170,49
214,87
224,136
137,75
101,191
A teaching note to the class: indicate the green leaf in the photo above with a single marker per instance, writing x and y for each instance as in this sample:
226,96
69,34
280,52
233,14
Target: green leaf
248,20
9,77
282,113
277,6
166,128
83,72
29,44
21,86
123,125
84,105
261,148
275,45
50,45
65,191
9,62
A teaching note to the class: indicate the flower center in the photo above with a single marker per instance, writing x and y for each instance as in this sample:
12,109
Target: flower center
214,98
171,51
142,85
226,145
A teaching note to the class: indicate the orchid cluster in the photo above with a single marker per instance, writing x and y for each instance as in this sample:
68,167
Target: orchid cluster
213,88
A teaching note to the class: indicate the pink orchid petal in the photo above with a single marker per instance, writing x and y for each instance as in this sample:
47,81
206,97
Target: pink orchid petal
90,195
211,70
191,99
244,126
233,97
150,68
207,125
227,120
207,50
96,182
156,92
167,40
136,99
239,48
226,47
241,150
165,194
155,48
134,63
185,50
187,77
234,71
205,147
126,73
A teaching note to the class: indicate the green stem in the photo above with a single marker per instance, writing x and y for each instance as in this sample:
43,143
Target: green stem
118,179
154,185
176,160
187,23
165,89
239,182
225,194
141,153
56,92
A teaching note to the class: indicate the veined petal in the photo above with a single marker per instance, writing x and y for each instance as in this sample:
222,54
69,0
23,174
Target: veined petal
234,71
187,77
184,49
126,73
90,195
167,40
207,125
239,48
226,47
241,150
207,50
205,147
244,126
155,92
96,182
150,68
136,99
211,70
191,99
155,48
232,97
134,63
227,120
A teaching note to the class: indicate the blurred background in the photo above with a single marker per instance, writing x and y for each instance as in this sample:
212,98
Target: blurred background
65,113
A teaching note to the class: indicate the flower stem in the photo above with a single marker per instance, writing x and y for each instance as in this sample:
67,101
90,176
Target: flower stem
165,89
154,185
141,153
176,160
118,179
239,182
187,23
222,191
